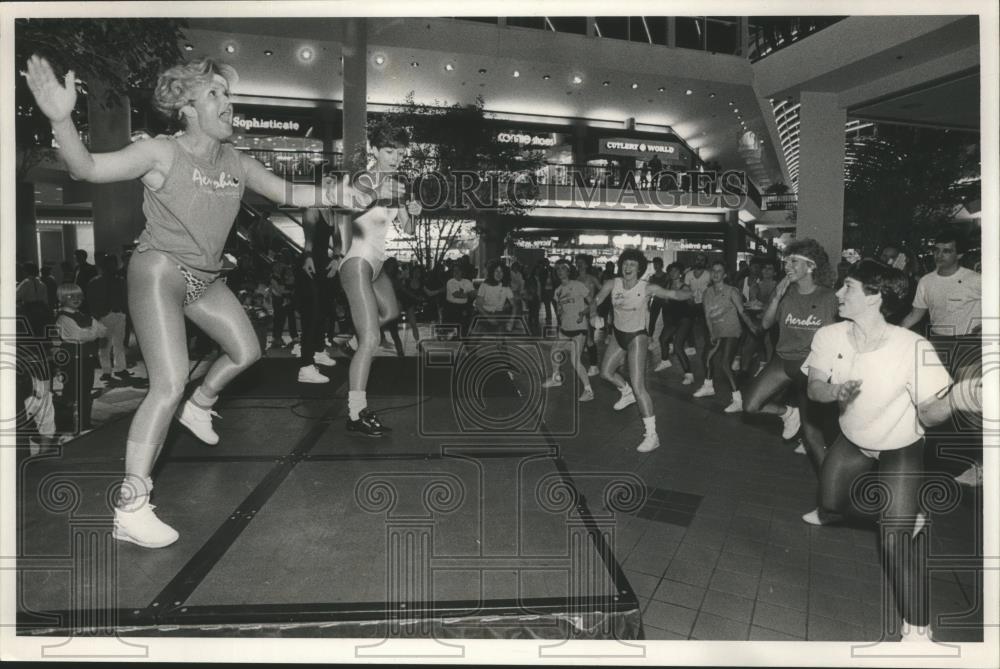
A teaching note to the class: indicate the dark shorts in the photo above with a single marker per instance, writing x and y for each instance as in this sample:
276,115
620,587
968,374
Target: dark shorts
793,369
625,338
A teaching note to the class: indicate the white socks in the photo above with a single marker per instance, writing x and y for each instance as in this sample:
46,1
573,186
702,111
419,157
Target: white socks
201,400
650,424
356,401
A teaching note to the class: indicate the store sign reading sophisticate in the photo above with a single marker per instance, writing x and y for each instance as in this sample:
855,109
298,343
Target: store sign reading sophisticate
267,125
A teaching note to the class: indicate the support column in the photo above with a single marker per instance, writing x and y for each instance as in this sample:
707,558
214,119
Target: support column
731,243
671,31
355,53
821,171
117,207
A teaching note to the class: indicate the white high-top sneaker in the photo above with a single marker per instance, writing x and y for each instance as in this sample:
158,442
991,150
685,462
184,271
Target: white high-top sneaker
135,521
649,443
199,421
310,374
627,399
707,389
736,406
323,358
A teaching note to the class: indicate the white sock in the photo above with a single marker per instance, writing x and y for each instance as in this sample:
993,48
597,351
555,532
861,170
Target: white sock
201,399
356,401
650,423
625,390
135,491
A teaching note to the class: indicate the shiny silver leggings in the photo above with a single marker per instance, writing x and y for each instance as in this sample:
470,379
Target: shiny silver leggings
156,295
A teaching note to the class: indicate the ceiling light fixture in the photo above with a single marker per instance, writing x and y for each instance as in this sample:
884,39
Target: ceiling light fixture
306,53
380,59
711,95
189,47
605,83
688,92
268,52
482,70
661,89
517,73
230,48
546,77
449,67
634,85
577,79
414,63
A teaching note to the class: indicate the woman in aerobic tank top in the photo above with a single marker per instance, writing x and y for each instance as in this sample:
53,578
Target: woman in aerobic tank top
193,183
630,303
802,303
572,300
369,291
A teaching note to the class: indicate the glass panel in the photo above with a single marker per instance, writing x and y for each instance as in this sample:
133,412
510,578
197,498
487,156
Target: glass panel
537,22
690,32
613,27
570,24
657,28
637,32
723,34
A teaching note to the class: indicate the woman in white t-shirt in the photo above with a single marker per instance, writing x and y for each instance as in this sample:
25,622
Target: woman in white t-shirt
495,300
889,383
572,300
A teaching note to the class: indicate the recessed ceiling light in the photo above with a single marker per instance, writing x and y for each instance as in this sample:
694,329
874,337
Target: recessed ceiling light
736,110
577,79
546,77
449,67
189,47
605,83
230,48
711,95
661,89
414,63
730,103
517,73
268,52
635,85
306,53
482,70
688,92
380,59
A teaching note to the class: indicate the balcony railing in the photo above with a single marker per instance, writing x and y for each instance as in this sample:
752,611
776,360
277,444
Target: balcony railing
783,202
769,34
302,164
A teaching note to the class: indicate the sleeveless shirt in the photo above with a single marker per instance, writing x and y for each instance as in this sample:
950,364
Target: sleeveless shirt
630,305
190,216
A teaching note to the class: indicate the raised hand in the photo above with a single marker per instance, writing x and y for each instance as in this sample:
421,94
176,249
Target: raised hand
782,287
848,391
55,100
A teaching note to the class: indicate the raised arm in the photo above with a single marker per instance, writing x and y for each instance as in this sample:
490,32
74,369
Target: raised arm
56,101
333,193
652,290
602,295
915,316
771,312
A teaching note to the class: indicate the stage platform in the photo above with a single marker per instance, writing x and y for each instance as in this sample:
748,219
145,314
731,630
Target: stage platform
463,522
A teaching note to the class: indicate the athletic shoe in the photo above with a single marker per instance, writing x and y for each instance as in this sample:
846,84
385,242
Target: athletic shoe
972,477
627,399
322,358
736,364
587,395
199,422
593,371
141,527
311,374
820,518
650,442
688,379
296,350
552,382
662,365
800,449
791,422
736,406
367,424
707,389
690,350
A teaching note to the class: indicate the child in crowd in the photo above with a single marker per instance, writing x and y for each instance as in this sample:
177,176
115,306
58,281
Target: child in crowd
79,333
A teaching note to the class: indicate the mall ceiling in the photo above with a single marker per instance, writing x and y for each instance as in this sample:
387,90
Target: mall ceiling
704,98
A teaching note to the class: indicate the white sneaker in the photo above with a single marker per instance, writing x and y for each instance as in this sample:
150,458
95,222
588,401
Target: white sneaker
352,343
323,358
690,350
199,421
143,528
791,421
800,449
627,399
813,518
736,406
707,390
553,382
296,350
736,364
688,379
650,442
662,365
593,371
311,374
972,477
587,395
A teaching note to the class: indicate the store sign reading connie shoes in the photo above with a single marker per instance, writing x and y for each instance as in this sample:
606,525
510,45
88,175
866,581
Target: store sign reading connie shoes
526,139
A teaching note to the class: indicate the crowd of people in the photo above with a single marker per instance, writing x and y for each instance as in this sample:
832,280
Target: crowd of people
798,339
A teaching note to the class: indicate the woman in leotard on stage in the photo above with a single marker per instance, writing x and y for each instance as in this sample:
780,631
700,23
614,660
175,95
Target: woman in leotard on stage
630,304
369,291
193,183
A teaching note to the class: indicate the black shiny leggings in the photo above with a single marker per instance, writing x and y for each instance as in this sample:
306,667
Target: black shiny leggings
847,487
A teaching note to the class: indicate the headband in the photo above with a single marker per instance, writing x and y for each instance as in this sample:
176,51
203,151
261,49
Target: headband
801,257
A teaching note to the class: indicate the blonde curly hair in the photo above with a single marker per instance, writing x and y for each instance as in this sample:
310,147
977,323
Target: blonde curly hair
174,86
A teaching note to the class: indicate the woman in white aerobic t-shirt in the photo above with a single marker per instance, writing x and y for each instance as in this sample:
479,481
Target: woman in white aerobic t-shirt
572,298
630,305
889,384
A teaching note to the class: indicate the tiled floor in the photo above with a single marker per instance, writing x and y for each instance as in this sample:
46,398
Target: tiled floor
745,566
